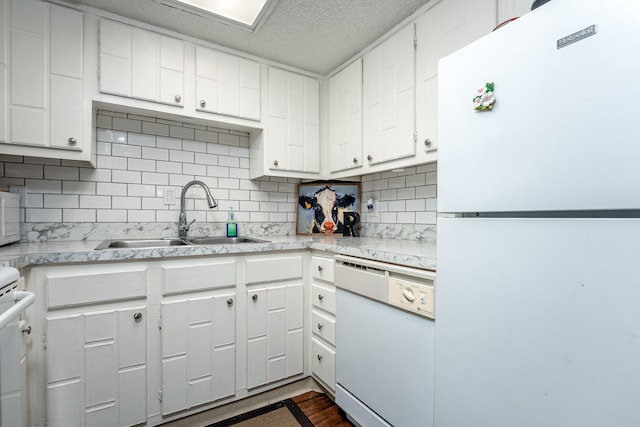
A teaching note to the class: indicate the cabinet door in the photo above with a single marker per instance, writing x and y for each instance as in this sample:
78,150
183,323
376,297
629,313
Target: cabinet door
345,118
65,79
115,58
274,334
227,84
28,68
171,72
294,122
442,30
198,351
389,112
144,64
96,368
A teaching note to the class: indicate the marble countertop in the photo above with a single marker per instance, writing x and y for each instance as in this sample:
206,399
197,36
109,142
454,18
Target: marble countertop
404,252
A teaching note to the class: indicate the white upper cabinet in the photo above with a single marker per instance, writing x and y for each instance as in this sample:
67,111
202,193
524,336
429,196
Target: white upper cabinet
293,124
42,106
140,64
345,119
388,99
443,29
227,84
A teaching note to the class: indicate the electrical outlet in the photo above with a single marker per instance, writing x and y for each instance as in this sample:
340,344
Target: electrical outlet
168,195
22,191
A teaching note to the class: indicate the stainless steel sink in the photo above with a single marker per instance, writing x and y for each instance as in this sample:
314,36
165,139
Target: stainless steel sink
141,243
224,240
165,243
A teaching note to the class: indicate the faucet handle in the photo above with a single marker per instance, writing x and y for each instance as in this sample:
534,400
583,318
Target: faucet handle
189,225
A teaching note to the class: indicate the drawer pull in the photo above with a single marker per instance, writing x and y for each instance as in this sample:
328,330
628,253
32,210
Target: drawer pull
230,302
320,268
320,297
319,358
255,297
137,317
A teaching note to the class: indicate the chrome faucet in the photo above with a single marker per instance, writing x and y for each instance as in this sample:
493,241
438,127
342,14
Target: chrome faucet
183,226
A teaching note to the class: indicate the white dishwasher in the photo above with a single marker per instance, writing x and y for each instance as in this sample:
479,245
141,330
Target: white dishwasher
385,334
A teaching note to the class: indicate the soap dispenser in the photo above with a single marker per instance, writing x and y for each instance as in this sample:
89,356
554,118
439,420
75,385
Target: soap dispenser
232,227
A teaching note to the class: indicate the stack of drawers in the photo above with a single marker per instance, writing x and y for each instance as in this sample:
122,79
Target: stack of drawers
323,321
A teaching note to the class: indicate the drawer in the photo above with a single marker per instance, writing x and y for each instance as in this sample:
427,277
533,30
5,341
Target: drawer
324,297
274,268
323,326
198,277
322,268
66,289
323,363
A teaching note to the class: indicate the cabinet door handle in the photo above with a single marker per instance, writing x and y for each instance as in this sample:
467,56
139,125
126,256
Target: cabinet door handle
275,163
178,98
355,160
255,297
319,326
427,142
319,358
320,268
230,302
26,330
320,297
369,157
203,103
137,317
72,141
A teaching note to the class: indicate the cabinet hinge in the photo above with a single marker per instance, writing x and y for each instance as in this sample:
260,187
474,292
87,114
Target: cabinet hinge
415,136
45,423
44,342
415,40
160,322
160,396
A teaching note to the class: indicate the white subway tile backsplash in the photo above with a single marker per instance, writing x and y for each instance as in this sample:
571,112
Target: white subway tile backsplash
61,172
111,215
44,215
142,165
78,215
126,176
95,202
139,157
19,170
111,189
125,150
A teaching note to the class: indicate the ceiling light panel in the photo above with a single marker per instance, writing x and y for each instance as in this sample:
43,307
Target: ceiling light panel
247,14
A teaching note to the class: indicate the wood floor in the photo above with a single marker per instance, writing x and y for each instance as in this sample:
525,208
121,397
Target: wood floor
321,410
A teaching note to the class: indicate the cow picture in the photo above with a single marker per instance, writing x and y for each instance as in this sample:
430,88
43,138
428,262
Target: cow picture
320,207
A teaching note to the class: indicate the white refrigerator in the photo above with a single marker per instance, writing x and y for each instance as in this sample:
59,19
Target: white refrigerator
538,281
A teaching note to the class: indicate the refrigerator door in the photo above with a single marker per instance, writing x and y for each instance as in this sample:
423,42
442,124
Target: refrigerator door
538,322
563,132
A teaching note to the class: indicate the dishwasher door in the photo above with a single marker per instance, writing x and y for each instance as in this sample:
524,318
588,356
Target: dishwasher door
384,363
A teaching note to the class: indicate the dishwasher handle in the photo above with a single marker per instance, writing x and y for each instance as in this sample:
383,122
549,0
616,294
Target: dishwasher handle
23,300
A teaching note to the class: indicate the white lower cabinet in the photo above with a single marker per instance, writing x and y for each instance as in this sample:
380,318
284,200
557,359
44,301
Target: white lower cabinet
323,321
275,320
94,345
146,342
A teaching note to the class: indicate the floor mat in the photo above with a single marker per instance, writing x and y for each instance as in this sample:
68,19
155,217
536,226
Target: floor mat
281,414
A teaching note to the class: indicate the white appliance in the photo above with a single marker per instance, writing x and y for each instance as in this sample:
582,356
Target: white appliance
539,267
13,301
9,217
384,343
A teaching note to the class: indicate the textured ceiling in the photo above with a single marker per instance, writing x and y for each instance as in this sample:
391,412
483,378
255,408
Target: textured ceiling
313,35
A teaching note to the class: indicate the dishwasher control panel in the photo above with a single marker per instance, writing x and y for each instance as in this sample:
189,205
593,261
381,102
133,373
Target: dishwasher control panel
411,296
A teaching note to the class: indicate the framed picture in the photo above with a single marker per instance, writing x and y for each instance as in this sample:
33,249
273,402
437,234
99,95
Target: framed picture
321,206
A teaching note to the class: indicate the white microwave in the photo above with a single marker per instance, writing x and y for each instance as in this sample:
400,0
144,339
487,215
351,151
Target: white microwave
9,218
